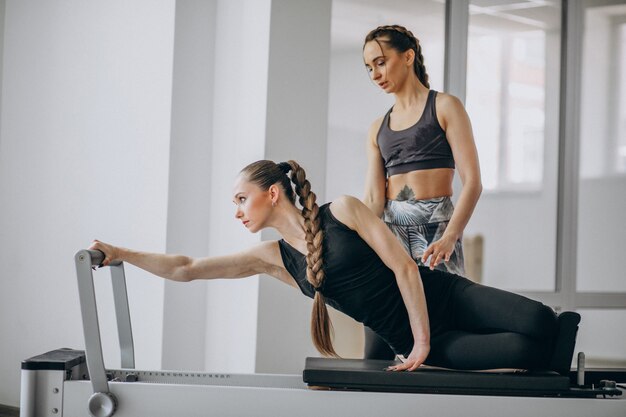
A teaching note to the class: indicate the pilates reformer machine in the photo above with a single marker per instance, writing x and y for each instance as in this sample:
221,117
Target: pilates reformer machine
75,383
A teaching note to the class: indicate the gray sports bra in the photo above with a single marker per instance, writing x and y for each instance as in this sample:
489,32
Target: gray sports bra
422,146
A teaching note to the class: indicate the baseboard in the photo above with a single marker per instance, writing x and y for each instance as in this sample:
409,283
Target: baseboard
7,411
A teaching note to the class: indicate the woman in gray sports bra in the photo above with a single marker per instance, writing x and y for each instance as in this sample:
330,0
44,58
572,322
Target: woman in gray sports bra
412,153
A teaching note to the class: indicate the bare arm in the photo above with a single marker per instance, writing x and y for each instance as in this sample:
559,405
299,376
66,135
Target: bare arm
373,230
455,121
263,258
375,180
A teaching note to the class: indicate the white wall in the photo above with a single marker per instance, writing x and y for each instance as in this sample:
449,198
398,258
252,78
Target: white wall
84,148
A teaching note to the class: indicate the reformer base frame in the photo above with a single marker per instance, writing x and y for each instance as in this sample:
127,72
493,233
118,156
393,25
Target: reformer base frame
60,387
76,383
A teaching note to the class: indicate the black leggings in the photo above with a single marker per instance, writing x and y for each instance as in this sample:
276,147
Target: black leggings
484,328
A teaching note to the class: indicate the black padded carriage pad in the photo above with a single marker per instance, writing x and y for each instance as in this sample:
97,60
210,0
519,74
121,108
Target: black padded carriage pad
370,375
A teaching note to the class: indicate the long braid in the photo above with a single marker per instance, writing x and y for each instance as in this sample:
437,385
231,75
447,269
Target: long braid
418,65
267,173
321,326
402,43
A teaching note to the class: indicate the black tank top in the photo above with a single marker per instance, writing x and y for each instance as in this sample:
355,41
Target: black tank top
422,146
360,285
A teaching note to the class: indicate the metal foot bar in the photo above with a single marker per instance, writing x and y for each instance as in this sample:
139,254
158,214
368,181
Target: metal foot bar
102,403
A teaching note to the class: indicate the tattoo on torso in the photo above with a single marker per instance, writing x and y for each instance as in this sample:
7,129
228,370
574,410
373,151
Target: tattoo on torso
405,194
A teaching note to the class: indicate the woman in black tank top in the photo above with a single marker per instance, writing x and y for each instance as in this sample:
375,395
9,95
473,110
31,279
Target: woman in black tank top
341,254
415,204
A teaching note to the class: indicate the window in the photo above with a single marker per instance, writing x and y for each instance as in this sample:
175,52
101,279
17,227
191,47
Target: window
509,54
602,182
513,63
603,102
600,288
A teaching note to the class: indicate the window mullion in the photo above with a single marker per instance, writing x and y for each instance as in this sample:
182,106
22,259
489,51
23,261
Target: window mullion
569,145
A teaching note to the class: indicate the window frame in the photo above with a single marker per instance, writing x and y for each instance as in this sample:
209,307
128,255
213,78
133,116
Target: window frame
565,296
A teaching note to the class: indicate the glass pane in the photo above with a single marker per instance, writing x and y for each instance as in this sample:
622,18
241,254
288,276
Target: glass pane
512,100
601,336
355,102
602,186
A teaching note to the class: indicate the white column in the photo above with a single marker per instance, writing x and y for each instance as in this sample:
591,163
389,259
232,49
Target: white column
240,102
189,208
297,123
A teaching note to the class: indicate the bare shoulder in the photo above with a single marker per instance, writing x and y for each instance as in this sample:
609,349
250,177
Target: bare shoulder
349,210
373,130
449,109
375,126
345,202
268,253
448,102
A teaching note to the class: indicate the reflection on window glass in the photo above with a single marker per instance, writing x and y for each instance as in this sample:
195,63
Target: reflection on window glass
603,106
483,102
512,99
602,184
506,90
525,133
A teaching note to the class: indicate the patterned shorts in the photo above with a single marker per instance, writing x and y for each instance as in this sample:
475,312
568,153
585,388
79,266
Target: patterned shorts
418,223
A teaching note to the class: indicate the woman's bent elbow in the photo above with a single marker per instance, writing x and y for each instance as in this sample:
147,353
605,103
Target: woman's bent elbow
183,273
475,184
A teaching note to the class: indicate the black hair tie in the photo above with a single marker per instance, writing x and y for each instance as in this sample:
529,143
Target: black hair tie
284,166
